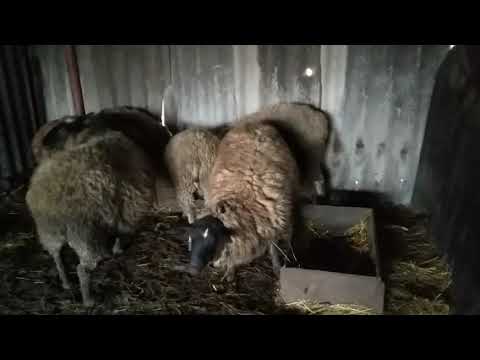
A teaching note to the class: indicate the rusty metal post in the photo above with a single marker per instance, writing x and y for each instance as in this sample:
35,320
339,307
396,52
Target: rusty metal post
74,79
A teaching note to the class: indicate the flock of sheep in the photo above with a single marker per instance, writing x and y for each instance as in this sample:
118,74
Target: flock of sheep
99,175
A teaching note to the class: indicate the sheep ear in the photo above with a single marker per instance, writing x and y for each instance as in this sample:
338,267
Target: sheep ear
221,207
205,234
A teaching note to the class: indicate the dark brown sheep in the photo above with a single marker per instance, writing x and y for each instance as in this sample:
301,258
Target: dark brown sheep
101,186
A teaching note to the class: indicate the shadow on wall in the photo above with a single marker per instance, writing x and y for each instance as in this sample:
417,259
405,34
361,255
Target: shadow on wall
332,134
38,94
24,112
448,175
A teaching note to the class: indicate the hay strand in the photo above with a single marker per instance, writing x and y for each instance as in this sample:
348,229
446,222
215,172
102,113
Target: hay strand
142,279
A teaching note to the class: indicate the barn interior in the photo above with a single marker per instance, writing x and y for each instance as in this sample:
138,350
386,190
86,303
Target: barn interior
402,143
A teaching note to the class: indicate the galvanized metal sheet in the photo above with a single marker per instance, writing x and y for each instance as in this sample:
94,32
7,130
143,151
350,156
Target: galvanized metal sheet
377,96
116,75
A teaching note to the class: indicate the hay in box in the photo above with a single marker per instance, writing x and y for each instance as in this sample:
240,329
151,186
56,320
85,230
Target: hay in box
338,258
141,280
347,253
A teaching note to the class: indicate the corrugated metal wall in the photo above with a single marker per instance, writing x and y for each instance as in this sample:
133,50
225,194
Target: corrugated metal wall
58,97
378,98
377,95
21,113
113,75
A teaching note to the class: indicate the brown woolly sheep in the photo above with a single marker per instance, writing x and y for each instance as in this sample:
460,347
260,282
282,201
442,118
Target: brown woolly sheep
138,124
306,130
38,149
100,187
251,196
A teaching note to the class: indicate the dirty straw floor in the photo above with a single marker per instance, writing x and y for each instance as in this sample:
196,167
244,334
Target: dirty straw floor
141,281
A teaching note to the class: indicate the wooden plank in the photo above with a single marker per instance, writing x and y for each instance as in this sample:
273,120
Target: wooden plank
338,219
333,288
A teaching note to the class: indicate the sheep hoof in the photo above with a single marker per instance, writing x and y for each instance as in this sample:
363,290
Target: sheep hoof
66,286
117,249
229,277
187,269
88,303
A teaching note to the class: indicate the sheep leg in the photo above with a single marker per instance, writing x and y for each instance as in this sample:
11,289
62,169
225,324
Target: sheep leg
203,213
181,268
288,238
61,269
229,275
117,248
190,216
320,187
190,211
83,271
275,259
185,199
53,242
290,248
89,242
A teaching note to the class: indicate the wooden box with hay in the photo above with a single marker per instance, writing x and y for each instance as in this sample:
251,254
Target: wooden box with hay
337,259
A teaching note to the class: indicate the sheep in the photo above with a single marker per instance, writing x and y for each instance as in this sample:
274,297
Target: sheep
141,126
251,197
306,130
102,185
189,156
39,151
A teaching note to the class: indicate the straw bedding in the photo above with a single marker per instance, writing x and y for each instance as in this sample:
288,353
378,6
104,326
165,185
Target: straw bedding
142,279
417,278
